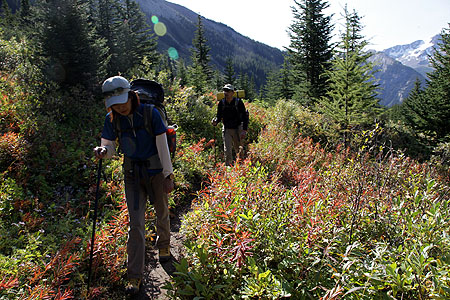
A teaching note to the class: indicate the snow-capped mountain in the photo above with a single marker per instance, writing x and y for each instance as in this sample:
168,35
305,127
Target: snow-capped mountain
394,78
415,55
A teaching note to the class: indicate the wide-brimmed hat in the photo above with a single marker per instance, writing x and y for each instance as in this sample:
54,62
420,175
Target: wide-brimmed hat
115,90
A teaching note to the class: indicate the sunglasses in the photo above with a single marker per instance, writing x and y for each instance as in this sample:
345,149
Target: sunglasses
116,92
226,90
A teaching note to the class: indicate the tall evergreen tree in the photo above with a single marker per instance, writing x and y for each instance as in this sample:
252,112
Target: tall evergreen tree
351,99
272,89
74,53
139,41
310,49
229,75
200,71
181,72
24,11
285,83
428,110
128,36
7,18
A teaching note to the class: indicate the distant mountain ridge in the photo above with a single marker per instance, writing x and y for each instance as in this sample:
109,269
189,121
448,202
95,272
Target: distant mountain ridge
395,79
398,68
249,56
416,54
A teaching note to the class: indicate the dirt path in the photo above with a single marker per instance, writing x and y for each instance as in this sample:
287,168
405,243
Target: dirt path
156,274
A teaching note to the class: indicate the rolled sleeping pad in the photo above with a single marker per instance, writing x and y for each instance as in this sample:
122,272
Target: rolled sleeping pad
237,94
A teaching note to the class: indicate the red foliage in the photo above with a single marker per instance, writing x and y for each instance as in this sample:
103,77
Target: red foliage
8,283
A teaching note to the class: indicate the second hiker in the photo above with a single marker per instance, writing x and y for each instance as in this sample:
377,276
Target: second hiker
232,113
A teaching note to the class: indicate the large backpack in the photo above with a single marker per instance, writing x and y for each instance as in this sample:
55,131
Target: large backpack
152,93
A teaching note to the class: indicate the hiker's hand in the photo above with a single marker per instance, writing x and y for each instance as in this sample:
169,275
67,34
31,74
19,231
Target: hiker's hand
243,134
168,185
100,152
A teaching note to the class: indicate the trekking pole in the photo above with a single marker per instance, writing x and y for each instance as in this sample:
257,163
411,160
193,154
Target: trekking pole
215,145
99,172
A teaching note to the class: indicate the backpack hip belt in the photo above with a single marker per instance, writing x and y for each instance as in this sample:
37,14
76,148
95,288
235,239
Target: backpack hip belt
151,163
139,168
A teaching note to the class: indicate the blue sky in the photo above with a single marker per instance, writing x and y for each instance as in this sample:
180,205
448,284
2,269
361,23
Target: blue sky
386,22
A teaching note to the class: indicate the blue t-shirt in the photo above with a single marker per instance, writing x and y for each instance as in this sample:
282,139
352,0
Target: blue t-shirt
135,142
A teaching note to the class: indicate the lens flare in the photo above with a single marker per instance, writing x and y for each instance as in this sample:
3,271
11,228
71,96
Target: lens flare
155,20
160,29
173,53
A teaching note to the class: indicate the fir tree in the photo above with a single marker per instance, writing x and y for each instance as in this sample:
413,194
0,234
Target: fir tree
24,11
229,75
272,89
310,49
200,71
285,86
351,99
218,80
181,72
428,111
7,18
139,41
74,53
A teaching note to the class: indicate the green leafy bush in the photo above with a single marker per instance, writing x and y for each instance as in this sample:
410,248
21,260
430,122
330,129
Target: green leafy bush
297,221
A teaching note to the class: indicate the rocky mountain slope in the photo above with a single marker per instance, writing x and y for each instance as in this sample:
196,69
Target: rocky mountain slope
395,79
416,54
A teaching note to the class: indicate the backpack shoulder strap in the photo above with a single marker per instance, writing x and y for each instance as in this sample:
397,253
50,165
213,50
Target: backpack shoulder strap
116,126
148,117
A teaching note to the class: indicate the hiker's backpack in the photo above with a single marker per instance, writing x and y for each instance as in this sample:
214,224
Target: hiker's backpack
152,93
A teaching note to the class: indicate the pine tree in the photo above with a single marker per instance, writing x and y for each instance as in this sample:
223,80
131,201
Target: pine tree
310,50
428,110
351,99
74,53
181,72
285,86
229,75
24,12
200,71
7,18
139,41
272,89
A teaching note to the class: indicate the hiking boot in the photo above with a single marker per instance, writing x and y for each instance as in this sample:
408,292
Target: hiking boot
164,254
133,286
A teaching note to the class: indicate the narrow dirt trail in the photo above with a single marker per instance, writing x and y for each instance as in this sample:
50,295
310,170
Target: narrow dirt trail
156,274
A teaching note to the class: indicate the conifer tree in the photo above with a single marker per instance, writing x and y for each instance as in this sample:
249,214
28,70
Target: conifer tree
6,16
218,80
272,89
74,53
428,110
229,75
24,13
139,41
351,99
285,86
200,71
310,49
181,72
244,84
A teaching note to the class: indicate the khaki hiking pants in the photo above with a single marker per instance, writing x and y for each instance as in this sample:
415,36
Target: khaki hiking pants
232,140
136,230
